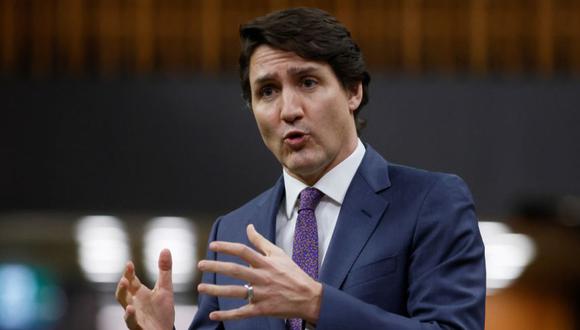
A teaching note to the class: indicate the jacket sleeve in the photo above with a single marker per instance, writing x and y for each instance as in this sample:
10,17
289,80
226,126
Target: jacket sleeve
446,274
207,303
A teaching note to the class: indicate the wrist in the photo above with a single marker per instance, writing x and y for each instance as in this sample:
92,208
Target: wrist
312,312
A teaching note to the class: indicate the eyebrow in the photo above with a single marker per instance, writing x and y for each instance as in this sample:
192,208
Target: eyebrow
293,71
300,71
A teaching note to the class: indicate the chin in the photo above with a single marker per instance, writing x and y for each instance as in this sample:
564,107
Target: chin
303,169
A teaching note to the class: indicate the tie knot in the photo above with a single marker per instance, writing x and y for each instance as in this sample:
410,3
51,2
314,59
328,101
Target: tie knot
309,198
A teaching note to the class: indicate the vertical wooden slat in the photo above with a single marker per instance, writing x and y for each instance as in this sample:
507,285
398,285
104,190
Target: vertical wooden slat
108,30
442,38
179,39
143,38
71,35
279,4
392,36
346,12
211,37
7,35
510,35
450,33
126,36
193,35
126,17
575,40
232,15
379,35
42,20
411,35
478,33
461,41
563,36
545,37
370,38
170,34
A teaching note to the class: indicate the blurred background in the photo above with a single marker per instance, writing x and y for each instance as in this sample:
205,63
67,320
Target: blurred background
122,129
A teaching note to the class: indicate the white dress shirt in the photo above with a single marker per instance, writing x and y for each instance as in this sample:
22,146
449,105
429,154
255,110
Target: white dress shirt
333,185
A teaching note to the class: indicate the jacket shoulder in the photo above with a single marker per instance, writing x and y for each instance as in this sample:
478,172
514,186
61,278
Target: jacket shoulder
249,207
411,177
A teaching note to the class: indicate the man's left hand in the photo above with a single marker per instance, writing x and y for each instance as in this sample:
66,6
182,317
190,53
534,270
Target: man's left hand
281,288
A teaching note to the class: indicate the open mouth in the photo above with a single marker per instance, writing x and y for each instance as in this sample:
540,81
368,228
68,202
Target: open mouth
294,135
295,139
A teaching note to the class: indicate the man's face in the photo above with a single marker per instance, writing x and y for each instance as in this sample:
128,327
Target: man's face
304,114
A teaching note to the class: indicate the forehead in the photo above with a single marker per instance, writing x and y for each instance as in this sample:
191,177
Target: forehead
268,61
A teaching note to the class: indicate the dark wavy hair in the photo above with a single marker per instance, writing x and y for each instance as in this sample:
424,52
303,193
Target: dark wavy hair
312,34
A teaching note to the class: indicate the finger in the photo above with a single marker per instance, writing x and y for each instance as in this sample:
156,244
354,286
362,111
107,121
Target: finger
231,291
133,280
229,269
165,264
129,270
260,242
128,278
122,293
246,311
131,318
245,252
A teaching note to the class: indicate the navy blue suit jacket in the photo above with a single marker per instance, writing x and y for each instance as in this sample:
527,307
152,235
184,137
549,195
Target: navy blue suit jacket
406,253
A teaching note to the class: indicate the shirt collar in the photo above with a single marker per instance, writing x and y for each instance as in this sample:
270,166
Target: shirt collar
333,184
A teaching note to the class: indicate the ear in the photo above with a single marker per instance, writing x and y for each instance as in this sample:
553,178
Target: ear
355,95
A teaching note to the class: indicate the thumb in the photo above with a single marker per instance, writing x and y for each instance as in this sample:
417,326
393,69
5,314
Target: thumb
260,242
165,264
131,318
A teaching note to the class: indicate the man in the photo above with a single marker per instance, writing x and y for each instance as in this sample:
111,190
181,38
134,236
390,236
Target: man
343,240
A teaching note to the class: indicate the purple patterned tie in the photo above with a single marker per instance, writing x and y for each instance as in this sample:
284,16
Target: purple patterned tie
305,248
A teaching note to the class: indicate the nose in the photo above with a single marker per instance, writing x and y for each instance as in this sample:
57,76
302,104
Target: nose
291,106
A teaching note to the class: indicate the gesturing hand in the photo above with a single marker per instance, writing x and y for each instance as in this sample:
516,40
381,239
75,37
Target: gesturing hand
281,288
144,308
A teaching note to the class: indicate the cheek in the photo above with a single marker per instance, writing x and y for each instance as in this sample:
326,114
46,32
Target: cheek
335,118
266,125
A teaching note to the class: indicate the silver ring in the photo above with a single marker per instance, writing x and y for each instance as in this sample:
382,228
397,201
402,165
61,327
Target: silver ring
249,293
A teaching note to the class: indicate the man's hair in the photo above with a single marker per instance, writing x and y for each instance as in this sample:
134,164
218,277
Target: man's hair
312,34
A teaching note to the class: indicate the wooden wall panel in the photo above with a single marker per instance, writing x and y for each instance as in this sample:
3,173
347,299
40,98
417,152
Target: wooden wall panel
523,308
42,36
143,39
411,35
478,36
182,37
7,35
545,36
108,36
170,38
71,36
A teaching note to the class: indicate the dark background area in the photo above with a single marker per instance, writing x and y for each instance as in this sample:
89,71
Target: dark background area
189,145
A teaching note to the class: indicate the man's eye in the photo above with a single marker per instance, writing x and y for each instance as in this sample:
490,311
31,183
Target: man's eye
309,83
266,91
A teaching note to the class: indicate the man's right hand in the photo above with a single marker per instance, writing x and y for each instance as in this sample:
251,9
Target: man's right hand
144,308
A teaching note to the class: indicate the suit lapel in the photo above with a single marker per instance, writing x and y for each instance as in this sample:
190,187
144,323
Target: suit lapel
360,213
264,217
